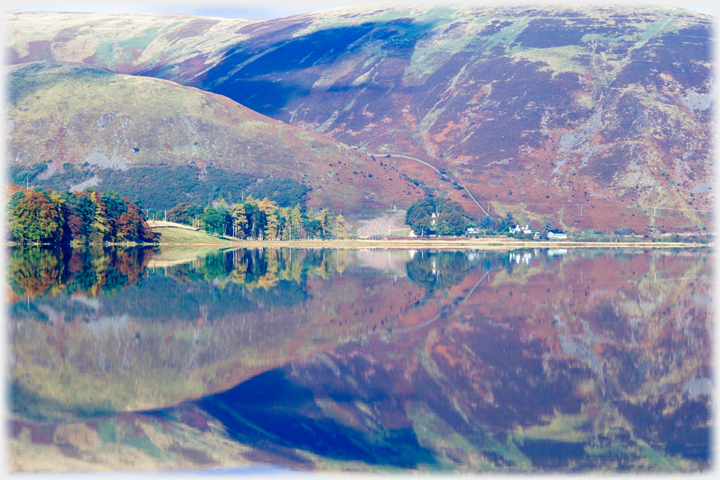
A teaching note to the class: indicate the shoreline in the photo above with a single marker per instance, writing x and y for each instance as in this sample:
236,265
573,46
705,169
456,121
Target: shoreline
438,244
401,244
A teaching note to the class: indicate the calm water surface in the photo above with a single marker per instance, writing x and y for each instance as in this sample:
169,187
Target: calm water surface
360,360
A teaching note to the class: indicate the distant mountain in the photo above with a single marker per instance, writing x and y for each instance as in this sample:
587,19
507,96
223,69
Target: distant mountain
573,117
74,126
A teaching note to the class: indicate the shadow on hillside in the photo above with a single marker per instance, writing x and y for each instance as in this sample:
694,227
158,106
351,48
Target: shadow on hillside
264,85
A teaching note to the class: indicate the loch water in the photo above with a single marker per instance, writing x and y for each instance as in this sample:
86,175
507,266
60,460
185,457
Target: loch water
361,360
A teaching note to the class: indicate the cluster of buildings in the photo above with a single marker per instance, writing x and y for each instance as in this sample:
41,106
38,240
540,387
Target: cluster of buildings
527,230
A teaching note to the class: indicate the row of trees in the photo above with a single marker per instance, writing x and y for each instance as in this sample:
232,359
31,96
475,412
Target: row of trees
437,216
261,219
39,216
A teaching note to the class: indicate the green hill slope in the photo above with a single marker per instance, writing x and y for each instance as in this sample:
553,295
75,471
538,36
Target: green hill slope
74,126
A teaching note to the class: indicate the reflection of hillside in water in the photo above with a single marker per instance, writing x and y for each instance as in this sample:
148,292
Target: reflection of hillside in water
521,361
562,364
187,331
53,272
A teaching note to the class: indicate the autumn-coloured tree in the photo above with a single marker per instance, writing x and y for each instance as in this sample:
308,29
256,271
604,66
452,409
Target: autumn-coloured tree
80,217
185,213
84,209
144,232
270,223
36,219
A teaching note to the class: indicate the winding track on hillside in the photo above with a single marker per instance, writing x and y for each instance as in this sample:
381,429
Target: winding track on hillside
438,171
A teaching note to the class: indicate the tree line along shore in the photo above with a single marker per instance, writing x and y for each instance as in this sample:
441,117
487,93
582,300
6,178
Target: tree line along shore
92,217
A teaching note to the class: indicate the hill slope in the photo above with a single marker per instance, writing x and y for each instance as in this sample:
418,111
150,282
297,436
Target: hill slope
585,118
76,126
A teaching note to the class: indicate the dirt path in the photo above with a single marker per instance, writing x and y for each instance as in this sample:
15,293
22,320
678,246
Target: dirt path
438,171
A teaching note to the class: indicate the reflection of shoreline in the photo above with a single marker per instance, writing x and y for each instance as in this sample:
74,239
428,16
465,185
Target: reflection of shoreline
189,258
450,244
174,255
453,244
170,263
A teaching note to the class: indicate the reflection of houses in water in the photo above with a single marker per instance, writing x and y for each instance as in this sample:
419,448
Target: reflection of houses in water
521,257
557,252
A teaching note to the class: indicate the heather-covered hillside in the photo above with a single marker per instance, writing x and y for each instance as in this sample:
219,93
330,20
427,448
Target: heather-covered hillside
582,117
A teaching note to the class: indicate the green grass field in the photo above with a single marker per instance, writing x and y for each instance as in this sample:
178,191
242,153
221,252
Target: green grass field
171,235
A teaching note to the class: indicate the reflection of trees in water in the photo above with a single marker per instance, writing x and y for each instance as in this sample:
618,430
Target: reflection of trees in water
97,270
219,284
58,270
443,269
439,270
263,267
34,271
54,270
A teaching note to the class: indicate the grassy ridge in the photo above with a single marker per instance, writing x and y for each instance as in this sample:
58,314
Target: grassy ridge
89,127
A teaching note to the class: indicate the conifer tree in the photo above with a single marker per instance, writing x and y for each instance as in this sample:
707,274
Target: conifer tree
340,227
271,226
324,218
295,222
100,225
239,221
272,223
284,217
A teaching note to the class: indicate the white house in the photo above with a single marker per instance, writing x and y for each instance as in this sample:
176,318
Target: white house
526,229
